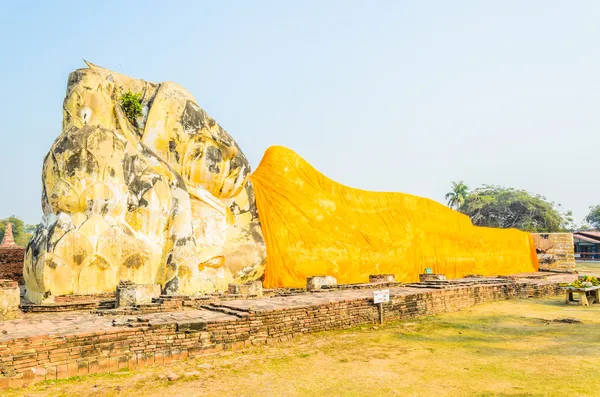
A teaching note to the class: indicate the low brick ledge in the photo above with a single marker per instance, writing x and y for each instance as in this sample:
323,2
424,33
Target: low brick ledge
158,339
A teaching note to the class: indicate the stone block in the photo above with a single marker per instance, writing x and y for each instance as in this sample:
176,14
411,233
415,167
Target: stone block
254,288
317,282
555,251
130,294
382,278
9,299
431,277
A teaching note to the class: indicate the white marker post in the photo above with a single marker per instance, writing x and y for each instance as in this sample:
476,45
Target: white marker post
379,297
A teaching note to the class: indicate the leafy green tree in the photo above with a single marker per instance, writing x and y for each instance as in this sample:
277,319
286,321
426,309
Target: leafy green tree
457,196
497,206
21,236
593,218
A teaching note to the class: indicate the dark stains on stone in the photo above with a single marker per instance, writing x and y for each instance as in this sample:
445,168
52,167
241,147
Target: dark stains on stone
78,258
214,157
193,118
224,138
104,209
131,168
256,232
251,200
65,143
195,121
67,116
240,161
143,183
236,209
182,241
172,286
81,160
173,150
139,179
180,183
74,78
196,152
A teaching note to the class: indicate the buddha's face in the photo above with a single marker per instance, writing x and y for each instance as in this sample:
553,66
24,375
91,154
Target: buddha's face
90,100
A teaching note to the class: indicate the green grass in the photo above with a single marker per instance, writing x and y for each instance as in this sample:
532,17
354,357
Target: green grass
509,348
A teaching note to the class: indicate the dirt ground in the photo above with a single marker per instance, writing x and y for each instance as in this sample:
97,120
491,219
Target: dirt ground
509,348
591,268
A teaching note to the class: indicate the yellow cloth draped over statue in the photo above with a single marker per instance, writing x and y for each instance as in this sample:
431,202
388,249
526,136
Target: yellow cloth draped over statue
314,226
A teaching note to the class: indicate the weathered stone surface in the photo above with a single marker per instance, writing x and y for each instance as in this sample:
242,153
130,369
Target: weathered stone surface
555,251
317,282
164,198
9,299
382,278
254,288
130,294
431,277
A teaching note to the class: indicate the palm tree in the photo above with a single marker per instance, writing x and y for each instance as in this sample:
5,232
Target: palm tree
457,196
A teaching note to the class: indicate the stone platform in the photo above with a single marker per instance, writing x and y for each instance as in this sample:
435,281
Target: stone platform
48,346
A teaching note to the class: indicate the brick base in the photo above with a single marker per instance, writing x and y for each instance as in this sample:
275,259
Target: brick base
142,342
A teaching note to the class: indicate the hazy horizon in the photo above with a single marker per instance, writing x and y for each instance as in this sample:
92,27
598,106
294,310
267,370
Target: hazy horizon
385,95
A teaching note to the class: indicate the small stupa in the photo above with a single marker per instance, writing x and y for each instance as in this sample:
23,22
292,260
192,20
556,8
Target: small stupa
9,240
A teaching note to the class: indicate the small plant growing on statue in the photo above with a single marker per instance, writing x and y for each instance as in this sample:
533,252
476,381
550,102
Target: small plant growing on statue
132,105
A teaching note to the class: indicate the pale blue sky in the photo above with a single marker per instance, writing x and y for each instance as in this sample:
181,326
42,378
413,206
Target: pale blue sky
382,95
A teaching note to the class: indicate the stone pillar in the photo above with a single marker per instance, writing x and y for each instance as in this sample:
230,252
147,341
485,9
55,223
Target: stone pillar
130,294
253,288
317,282
382,278
9,299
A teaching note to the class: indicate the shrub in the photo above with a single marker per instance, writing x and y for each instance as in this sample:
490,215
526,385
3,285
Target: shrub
132,105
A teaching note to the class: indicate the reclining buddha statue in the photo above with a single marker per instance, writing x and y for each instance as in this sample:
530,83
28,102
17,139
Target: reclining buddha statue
162,196
142,185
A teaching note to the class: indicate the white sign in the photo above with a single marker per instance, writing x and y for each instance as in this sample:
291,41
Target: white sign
381,296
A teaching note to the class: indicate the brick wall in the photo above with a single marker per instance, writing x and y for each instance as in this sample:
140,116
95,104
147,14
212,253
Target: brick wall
34,359
555,251
11,264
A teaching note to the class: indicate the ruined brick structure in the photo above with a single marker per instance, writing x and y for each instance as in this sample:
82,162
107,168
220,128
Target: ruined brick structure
11,264
555,251
86,344
11,257
8,241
